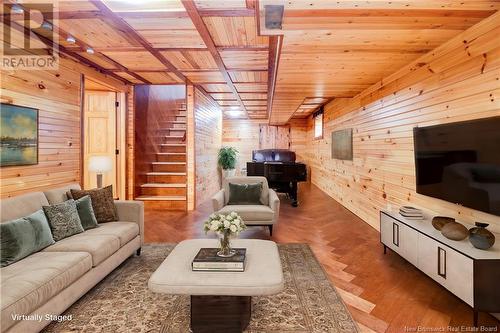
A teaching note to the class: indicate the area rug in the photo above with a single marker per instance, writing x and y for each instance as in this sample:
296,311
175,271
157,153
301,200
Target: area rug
123,303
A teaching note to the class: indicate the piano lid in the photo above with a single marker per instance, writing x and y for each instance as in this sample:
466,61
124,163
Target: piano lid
273,155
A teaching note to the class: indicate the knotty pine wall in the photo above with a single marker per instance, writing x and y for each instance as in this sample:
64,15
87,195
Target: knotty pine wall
208,141
243,134
57,95
458,81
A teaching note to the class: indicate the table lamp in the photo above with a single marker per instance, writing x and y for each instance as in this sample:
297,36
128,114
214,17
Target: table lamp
100,165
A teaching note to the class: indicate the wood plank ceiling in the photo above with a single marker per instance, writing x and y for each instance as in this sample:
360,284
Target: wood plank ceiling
325,49
339,48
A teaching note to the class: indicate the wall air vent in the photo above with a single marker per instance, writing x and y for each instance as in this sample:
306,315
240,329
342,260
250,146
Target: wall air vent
274,16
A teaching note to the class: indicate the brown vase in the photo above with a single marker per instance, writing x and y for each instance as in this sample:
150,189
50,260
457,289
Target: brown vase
454,231
439,221
480,237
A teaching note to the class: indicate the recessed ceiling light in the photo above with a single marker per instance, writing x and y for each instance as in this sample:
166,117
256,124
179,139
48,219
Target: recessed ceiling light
47,25
70,39
234,113
90,50
16,9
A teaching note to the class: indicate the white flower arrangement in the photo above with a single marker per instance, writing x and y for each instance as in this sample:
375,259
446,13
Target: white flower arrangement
225,224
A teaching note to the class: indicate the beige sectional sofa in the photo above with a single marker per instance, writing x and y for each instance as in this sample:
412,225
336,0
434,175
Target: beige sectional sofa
46,283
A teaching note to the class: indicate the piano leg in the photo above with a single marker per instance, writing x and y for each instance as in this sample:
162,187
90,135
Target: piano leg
293,194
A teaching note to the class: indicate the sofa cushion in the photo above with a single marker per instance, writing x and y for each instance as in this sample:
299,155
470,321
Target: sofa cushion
100,247
22,237
250,213
64,220
21,205
59,195
31,282
102,202
125,231
86,212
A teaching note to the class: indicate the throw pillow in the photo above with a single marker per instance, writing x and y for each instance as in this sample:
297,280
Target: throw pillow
102,202
22,237
63,219
245,194
86,212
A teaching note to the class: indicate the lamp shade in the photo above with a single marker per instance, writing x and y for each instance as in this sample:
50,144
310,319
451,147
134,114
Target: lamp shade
100,164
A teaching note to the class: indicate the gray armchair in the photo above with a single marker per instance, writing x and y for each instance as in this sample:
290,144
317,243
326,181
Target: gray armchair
253,215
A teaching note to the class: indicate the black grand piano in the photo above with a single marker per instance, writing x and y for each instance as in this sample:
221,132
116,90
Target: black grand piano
280,169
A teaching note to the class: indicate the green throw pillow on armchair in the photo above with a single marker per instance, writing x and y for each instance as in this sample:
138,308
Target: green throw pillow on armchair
245,194
22,237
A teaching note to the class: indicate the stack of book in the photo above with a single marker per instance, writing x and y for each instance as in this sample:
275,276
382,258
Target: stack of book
208,260
411,213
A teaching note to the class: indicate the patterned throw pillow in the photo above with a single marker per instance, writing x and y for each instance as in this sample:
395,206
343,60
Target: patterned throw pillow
102,202
63,219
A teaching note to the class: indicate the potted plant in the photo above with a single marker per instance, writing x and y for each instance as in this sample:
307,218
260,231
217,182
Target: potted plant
226,226
227,160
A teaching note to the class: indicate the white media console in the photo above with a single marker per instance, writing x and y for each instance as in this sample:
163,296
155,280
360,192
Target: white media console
471,274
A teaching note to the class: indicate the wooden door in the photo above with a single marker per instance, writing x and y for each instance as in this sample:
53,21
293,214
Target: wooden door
274,137
99,135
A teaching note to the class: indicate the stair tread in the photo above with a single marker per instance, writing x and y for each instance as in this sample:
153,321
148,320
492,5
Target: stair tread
170,153
174,136
161,197
161,173
171,185
172,144
169,163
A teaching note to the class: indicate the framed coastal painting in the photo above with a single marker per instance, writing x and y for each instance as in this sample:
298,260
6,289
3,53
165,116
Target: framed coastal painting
342,144
18,135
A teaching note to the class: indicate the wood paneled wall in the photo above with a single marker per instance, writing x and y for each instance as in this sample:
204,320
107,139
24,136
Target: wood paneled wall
208,141
57,95
459,80
243,134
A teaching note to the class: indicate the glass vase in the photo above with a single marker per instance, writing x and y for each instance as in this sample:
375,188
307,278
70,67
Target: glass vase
225,245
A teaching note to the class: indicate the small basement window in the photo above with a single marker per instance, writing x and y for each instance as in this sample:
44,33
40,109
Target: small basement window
318,124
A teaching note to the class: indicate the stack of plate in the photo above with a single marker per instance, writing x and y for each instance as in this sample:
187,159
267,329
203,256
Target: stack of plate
411,213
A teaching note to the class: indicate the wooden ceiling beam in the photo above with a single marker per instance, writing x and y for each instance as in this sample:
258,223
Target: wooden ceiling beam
128,30
92,14
387,12
167,49
207,39
275,43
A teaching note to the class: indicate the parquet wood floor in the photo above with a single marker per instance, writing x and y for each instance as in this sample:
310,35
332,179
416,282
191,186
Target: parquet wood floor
384,293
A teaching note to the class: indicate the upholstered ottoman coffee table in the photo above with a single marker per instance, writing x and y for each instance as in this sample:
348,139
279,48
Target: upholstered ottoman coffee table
220,301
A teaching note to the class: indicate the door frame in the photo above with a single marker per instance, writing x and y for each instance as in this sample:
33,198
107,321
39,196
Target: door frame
120,132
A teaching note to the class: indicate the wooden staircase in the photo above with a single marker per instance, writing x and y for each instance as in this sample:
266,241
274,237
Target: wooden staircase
166,182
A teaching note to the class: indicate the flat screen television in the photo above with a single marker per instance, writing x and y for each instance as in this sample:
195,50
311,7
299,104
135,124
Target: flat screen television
460,163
